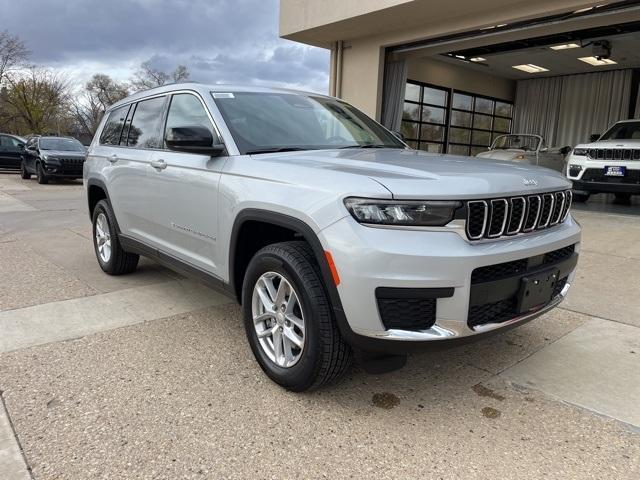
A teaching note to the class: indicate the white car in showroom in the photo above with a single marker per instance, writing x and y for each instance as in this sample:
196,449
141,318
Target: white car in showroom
611,164
526,148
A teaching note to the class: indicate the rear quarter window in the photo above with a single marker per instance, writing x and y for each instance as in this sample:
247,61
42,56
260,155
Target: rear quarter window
113,127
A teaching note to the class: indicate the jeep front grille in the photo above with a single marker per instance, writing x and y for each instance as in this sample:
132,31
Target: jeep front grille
614,153
498,217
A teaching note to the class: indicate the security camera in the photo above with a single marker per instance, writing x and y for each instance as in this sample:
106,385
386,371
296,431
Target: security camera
602,49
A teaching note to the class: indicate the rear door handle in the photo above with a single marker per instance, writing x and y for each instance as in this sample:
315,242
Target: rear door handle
159,164
113,158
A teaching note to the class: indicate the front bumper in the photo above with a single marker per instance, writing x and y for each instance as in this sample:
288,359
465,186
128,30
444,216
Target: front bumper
370,258
588,175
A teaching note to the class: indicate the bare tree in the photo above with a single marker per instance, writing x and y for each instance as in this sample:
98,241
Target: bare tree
36,101
148,77
13,54
88,107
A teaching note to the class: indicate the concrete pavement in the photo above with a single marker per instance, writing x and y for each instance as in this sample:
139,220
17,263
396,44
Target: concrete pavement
150,376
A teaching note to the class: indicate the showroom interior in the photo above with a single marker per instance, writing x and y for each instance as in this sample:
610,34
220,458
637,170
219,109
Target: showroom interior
565,87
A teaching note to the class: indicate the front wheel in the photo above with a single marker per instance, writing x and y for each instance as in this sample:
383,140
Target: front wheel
289,320
41,176
24,173
110,254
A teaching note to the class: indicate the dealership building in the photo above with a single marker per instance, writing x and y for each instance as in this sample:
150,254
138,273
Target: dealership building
453,75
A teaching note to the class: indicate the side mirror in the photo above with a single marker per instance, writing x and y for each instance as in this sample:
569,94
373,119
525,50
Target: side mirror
544,149
565,150
594,137
192,139
20,145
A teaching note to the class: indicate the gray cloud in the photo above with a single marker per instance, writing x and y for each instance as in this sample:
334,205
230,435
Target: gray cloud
229,41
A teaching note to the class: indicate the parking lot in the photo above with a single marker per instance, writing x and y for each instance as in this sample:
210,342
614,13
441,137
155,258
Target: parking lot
150,376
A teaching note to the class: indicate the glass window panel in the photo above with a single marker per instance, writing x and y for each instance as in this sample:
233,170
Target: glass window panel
410,130
504,109
411,111
111,132
462,101
459,135
431,147
459,149
460,119
432,133
501,125
481,138
482,121
484,105
412,144
144,131
434,96
433,114
412,92
476,150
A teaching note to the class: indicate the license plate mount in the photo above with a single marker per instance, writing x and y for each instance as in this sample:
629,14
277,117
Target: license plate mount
536,290
615,171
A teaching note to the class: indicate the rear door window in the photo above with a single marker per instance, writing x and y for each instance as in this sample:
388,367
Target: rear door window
113,128
144,131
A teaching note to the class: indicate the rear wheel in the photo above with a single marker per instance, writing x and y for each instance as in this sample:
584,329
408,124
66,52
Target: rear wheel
110,254
41,176
24,174
581,197
288,318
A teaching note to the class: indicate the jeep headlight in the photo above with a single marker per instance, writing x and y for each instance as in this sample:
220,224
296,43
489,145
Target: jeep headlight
402,212
580,152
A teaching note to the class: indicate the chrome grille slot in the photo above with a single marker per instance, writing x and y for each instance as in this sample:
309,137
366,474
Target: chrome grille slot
533,212
548,200
498,217
558,207
517,210
477,213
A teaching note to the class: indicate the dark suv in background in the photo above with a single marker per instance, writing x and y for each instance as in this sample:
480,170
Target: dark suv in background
49,157
11,151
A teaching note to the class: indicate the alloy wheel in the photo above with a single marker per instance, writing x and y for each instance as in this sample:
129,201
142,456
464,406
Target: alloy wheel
278,319
103,238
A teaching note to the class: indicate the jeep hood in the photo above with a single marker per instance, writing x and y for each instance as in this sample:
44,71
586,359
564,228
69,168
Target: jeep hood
507,154
411,174
624,143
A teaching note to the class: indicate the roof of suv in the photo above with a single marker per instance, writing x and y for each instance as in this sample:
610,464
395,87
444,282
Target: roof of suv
204,89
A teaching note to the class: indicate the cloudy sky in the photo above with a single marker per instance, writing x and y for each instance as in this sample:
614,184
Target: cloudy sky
220,41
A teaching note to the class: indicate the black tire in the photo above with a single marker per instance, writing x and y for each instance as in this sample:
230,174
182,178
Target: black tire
623,197
581,197
24,174
42,177
120,261
325,356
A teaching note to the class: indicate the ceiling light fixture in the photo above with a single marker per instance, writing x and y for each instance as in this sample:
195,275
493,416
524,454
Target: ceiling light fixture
478,59
530,68
566,46
597,62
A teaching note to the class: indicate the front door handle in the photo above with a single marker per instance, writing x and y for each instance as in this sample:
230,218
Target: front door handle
113,158
159,164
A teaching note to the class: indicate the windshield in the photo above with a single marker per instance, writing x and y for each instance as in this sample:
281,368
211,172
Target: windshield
517,142
623,131
264,121
64,144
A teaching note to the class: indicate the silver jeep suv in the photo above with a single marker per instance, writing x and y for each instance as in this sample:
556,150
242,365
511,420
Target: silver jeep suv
336,238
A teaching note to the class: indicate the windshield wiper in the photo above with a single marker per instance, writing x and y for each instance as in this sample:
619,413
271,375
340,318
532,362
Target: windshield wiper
275,150
371,145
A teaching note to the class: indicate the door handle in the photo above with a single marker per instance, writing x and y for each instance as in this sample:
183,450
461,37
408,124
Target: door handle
113,158
159,164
